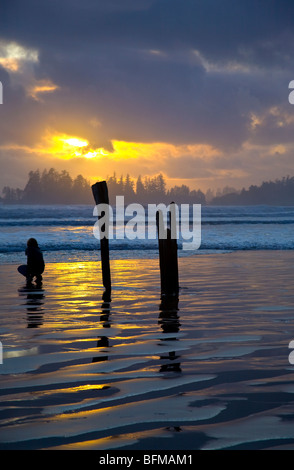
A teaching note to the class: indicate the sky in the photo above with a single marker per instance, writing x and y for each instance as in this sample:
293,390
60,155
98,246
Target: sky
197,90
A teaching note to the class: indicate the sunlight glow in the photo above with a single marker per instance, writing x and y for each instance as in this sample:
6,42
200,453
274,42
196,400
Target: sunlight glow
66,147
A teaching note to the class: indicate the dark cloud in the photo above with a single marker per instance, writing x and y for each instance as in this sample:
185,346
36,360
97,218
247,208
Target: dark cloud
22,120
184,72
221,29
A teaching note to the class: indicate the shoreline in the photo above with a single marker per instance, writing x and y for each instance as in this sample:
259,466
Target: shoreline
116,255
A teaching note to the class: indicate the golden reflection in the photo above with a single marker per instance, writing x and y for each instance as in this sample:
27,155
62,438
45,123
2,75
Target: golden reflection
98,444
76,291
80,388
83,414
77,285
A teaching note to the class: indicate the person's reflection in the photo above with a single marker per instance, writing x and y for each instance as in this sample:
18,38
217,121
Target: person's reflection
103,341
169,322
34,305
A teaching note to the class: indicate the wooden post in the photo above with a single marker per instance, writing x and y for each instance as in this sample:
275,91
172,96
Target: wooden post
162,250
100,193
173,251
168,255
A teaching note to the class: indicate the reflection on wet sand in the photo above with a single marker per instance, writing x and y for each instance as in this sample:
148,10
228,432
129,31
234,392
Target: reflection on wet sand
103,341
169,322
34,302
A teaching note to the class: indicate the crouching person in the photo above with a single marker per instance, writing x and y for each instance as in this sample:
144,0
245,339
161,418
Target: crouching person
35,263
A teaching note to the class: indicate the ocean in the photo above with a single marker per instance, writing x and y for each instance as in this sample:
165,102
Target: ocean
65,232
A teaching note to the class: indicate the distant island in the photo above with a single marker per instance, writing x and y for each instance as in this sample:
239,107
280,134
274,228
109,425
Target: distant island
53,187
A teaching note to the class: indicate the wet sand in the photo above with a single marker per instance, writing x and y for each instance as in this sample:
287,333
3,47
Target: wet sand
213,373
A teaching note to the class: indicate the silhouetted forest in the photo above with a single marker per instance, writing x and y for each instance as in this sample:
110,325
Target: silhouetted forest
151,190
278,193
50,187
53,187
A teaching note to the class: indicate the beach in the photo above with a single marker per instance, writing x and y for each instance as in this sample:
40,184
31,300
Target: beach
211,372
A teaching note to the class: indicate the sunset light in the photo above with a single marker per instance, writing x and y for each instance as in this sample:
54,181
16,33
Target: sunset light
65,146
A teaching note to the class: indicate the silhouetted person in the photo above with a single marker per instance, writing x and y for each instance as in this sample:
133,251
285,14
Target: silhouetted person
35,263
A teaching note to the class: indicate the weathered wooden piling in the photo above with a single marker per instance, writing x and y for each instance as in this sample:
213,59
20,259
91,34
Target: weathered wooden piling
100,193
168,254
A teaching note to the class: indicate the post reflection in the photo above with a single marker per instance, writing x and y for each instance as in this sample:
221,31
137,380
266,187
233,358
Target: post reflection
103,341
169,321
34,305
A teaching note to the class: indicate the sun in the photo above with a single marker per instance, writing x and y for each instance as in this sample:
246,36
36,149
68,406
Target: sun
66,146
75,142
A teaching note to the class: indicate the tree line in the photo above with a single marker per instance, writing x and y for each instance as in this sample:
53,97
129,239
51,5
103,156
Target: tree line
151,190
49,187
278,193
53,187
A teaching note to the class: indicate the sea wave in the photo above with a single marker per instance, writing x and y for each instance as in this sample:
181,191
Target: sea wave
62,230
129,245
89,223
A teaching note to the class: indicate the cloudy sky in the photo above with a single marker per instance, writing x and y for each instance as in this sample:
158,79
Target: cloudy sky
195,89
